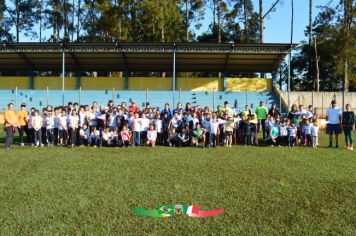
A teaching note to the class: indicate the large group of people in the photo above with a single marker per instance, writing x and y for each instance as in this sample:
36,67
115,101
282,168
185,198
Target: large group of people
124,126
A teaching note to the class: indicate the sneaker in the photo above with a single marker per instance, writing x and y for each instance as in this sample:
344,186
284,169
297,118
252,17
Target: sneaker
351,148
337,146
94,146
330,146
42,145
22,144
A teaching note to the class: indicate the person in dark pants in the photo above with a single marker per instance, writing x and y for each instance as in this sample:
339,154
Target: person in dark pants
348,123
262,112
11,123
22,116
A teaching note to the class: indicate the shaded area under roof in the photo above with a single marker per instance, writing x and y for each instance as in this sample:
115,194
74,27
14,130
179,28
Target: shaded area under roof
143,57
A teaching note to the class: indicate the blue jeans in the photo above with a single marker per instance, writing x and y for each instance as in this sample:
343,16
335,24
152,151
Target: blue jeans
137,138
94,140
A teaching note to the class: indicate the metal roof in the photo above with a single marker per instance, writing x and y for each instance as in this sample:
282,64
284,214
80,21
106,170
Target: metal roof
136,57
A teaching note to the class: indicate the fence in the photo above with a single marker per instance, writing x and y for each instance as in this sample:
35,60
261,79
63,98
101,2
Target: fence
321,100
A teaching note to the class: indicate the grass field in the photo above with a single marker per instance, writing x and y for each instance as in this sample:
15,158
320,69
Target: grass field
263,190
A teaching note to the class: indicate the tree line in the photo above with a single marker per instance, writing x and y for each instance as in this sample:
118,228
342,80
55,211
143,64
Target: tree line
325,62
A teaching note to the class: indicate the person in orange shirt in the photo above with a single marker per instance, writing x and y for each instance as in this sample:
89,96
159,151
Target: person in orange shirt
22,116
11,123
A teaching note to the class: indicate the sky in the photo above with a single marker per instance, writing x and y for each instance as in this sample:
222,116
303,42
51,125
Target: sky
277,24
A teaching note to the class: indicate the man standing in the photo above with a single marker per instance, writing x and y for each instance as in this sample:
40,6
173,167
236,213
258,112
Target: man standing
261,112
11,123
333,116
237,109
22,116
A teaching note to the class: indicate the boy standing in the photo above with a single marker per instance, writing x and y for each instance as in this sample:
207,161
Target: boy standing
50,128
314,133
37,126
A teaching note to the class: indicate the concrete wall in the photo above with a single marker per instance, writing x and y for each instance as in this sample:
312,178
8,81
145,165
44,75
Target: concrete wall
102,83
140,83
248,85
322,100
11,82
55,83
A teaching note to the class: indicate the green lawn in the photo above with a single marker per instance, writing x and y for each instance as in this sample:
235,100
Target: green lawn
92,191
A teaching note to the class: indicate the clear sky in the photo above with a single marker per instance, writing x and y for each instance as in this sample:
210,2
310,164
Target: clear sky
277,24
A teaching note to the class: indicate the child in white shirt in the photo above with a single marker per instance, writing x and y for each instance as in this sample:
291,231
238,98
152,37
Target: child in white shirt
73,124
214,129
307,133
84,134
145,123
36,122
94,137
136,123
158,128
292,130
283,133
314,133
151,136
107,138
63,129
50,128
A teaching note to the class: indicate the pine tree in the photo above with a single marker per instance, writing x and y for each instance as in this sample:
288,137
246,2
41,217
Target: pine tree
23,16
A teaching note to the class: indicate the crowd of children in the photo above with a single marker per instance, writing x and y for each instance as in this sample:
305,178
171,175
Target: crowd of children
124,126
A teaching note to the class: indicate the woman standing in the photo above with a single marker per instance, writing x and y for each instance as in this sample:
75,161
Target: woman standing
348,123
274,111
11,124
293,114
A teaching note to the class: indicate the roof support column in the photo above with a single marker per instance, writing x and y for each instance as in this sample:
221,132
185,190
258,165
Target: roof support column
78,77
63,73
32,80
174,72
126,79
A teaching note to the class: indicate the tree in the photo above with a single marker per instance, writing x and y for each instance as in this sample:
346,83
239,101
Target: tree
335,48
243,9
2,8
194,12
5,24
23,16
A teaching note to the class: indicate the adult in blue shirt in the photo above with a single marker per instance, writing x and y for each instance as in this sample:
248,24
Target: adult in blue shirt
167,111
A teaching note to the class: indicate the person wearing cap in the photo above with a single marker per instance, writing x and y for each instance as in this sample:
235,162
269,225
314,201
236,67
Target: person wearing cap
333,116
22,116
11,124
261,112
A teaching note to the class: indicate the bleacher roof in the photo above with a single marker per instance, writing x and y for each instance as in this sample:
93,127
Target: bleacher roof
154,57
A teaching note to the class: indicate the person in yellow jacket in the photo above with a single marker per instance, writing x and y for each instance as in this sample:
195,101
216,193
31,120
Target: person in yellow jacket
11,123
22,116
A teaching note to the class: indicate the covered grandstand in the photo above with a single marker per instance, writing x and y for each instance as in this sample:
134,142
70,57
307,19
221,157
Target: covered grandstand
77,58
